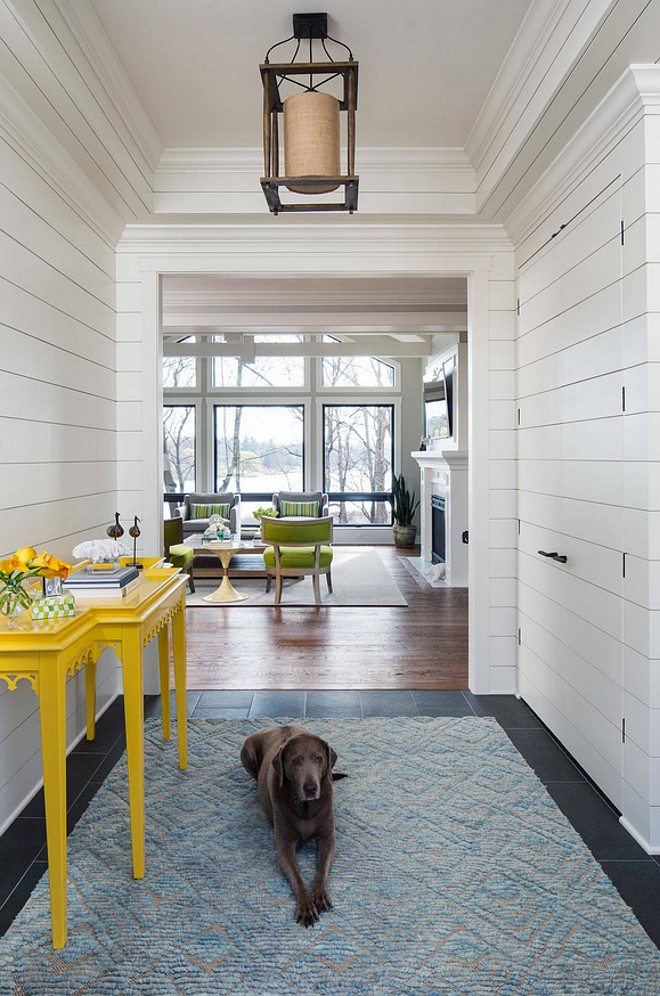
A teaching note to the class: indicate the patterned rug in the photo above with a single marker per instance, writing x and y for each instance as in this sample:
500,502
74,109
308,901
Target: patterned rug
455,873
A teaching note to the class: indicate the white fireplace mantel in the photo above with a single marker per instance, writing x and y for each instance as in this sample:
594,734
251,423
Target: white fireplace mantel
445,472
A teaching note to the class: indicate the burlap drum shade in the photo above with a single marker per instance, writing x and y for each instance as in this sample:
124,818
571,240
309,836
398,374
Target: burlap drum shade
311,138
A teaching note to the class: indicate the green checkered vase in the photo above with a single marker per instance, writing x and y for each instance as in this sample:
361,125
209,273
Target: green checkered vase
53,607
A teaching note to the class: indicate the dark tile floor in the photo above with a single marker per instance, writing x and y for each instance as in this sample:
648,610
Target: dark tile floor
635,874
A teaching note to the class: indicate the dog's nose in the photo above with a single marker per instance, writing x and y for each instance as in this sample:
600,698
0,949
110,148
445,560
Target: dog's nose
309,788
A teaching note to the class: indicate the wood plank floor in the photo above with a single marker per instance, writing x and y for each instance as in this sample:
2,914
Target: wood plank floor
420,646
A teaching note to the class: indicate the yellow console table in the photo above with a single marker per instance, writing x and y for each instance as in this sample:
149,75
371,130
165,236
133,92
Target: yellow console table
46,653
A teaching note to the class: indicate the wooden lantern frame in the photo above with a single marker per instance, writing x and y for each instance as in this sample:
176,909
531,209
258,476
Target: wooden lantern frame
271,75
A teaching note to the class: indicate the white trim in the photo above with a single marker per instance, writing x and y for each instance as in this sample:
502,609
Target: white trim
88,30
649,848
238,160
636,89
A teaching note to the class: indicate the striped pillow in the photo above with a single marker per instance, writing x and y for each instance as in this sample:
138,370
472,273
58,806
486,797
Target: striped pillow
206,511
299,508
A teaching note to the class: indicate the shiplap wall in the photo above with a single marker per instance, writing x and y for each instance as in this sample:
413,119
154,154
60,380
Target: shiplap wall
70,176
587,471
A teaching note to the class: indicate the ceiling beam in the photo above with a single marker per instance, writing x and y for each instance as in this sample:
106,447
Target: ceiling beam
373,346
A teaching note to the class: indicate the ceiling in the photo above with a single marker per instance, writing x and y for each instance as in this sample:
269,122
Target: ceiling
425,65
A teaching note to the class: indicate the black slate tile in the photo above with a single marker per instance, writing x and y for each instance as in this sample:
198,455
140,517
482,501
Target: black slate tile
109,728
387,702
219,712
109,761
596,822
80,768
19,846
638,882
342,704
153,708
229,698
509,711
542,754
12,906
441,703
289,703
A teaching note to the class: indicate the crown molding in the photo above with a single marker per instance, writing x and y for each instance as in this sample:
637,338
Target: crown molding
534,34
205,160
31,139
310,238
636,92
87,28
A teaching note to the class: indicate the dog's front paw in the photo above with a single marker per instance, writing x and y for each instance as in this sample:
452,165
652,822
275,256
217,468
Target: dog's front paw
321,900
306,912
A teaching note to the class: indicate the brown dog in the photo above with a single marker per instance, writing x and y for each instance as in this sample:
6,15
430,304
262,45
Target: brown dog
293,769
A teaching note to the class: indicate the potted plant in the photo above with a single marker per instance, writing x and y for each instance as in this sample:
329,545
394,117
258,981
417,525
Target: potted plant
404,507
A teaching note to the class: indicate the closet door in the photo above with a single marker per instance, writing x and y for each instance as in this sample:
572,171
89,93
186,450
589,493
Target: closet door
571,496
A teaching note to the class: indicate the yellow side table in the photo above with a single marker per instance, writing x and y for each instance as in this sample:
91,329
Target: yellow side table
46,653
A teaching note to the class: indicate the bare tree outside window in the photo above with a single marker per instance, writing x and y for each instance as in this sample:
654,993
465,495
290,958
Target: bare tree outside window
259,448
179,447
358,459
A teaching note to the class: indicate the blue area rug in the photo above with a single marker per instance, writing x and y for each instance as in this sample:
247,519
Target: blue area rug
455,873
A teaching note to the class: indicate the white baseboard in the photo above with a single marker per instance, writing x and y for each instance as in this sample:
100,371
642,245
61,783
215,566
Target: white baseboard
649,848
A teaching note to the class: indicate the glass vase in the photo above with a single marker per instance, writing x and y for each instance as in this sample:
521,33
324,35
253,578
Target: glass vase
14,600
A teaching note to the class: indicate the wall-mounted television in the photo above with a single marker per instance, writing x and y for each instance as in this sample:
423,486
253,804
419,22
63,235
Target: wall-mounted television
439,403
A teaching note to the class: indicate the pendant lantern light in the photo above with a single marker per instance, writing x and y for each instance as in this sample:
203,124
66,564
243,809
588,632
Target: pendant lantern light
311,123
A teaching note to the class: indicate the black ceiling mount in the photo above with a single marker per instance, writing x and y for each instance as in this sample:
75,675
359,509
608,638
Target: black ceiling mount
310,26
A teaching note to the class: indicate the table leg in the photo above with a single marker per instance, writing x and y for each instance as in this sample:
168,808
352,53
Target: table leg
179,647
52,713
133,674
164,665
90,696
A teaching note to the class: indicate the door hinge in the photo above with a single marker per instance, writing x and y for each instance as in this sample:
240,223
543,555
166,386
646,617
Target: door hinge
623,730
518,307
519,637
623,233
623,565
623,399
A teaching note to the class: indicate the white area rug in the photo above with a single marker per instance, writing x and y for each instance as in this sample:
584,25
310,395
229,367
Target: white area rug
359,577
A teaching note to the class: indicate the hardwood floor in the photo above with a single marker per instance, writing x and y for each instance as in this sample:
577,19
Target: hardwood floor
420,646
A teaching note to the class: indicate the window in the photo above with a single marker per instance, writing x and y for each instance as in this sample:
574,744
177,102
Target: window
265,371
180,371
258,449
356,371
179,447
358,459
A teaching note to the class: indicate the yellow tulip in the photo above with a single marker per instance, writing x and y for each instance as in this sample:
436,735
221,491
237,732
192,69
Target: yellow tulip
7,566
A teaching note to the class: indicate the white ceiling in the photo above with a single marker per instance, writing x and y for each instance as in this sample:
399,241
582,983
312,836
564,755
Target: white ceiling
425,65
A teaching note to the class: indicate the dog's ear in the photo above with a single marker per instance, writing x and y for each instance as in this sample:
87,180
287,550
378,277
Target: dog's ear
330,756
278,764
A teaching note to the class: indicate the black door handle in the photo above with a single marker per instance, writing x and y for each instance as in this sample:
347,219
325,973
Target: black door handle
554,556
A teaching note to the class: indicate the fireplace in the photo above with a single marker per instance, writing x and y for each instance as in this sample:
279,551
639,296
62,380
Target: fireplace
438,551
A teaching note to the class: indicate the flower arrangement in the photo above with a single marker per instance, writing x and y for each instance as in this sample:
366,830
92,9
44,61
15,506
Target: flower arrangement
26,563
269,512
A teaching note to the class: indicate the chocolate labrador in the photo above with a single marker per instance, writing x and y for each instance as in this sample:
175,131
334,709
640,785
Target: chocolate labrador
293,769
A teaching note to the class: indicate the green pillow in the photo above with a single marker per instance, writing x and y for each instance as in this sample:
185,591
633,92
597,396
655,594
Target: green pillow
206,511
299,508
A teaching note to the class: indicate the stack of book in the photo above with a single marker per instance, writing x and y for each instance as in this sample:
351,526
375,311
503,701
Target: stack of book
111,584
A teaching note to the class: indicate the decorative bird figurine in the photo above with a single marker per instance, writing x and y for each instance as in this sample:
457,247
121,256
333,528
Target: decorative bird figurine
115,531
134,531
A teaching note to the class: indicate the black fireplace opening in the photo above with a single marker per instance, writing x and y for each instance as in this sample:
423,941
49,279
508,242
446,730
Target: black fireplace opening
438,553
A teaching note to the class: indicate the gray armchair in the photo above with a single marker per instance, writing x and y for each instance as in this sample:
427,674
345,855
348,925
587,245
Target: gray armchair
193,523
301,496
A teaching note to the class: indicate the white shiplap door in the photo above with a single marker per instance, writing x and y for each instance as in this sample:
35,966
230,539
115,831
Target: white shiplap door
570,478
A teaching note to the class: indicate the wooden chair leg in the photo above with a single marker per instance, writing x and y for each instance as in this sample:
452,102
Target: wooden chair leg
269,578
191,580
278,589
328,578
315,585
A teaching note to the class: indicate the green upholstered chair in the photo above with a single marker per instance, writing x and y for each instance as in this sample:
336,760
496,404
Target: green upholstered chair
297,549
178,554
